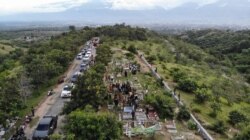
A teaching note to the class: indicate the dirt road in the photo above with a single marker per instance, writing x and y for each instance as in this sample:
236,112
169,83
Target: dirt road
53,104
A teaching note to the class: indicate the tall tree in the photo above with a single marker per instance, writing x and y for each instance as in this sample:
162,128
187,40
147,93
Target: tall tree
94,126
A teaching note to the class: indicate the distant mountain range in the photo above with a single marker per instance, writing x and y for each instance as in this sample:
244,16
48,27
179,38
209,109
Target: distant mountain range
223,12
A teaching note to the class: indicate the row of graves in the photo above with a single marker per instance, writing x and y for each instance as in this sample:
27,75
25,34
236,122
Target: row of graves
127,94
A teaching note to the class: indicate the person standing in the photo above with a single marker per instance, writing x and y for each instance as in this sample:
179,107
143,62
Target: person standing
33,111
126,74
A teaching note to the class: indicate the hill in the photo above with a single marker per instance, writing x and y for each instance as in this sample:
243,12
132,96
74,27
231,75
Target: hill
203,72
232,48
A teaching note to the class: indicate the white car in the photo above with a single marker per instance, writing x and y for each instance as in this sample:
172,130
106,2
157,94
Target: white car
66,92
88,52
87,55
79,56
86,59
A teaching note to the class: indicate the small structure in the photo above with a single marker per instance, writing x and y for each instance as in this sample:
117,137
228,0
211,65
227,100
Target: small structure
171,127
127,113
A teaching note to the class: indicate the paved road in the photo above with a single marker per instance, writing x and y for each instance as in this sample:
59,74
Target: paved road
53,104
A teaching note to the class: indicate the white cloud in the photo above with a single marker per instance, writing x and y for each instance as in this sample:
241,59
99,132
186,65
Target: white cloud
150,4
20,6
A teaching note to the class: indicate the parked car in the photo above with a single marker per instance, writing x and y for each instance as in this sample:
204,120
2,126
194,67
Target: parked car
83,67
46,127
86,59
83,53
75,76
79,56
88,52
87,55
66,92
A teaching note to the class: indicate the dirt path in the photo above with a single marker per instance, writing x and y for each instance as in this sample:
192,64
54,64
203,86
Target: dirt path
144,68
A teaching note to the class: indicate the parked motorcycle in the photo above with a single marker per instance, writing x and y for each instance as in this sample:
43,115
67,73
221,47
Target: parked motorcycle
50,92
28,118
19,135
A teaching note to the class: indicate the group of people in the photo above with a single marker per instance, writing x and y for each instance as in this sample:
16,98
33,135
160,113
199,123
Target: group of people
124,87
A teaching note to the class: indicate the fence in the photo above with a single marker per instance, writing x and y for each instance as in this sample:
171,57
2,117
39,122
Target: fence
200,128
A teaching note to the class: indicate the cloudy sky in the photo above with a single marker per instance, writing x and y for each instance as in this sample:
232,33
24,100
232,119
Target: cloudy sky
141,11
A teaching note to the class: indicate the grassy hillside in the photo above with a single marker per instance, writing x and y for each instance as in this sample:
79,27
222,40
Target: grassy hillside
231,48
177,61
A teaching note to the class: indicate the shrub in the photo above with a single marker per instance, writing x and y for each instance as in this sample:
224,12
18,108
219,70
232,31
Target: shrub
183,114
161,57
191,125
236,117
177,74
130,55
94,125
162,104
132,49
124,47
201,95
216,107
151,58
219,127
163,67
160,82
187,85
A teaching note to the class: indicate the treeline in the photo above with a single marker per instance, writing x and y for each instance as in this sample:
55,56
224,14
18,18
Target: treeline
27,74
224,45
48,60
122,31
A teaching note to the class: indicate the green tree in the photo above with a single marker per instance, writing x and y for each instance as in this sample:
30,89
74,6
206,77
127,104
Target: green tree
162,103
236,117
216,107
94,125
132,49
202,95
183,114
219,127
187,85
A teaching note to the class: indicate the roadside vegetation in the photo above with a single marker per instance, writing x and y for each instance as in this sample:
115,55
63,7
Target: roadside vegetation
33,71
